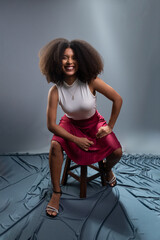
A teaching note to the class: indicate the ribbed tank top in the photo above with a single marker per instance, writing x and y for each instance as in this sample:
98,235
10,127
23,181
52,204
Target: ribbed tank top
76,100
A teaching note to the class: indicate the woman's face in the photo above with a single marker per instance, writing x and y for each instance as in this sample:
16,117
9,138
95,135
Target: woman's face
69,63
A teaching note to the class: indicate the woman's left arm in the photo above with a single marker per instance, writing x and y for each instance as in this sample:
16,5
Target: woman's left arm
100,86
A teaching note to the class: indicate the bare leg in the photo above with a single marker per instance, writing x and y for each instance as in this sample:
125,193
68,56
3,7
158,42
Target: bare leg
112,159
55,163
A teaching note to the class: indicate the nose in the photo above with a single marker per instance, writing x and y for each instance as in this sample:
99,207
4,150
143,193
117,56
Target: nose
69,60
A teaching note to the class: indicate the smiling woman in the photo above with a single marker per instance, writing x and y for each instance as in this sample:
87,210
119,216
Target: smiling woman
82,132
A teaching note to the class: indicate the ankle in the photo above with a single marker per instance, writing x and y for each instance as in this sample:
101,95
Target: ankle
59,192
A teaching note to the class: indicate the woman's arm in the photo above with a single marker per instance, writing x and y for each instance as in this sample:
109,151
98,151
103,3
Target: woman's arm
83,143
103,88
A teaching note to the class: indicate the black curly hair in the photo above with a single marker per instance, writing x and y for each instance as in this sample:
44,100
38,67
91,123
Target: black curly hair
90,63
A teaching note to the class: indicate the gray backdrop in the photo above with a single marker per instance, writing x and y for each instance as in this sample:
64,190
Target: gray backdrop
127,35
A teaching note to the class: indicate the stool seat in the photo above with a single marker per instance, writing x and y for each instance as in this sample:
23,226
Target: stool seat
83,179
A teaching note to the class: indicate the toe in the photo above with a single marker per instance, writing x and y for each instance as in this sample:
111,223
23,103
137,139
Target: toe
113,184
48,213
54,214
51,213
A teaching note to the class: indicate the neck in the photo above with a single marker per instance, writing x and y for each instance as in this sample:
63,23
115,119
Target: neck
70,79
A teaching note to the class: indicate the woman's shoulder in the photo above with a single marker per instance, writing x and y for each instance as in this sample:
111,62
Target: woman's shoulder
99,85
92,85
53,90
95,81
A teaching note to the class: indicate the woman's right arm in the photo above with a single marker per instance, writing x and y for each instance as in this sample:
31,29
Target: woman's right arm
83,143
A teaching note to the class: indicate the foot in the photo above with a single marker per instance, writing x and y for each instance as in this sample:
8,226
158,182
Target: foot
110,178
53,205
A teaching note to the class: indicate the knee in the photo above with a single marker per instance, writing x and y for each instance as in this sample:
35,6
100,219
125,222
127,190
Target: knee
118,153
55,147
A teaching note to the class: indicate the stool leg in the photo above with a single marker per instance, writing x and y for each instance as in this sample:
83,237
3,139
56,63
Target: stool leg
102,171
83,181
65,173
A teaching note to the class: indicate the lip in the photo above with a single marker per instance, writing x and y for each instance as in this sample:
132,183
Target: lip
69,68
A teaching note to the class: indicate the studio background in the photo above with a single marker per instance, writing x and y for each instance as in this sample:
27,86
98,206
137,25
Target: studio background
126,34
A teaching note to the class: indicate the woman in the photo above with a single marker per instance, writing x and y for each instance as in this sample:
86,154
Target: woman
82,132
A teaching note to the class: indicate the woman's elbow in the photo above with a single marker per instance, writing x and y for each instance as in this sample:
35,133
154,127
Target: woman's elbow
120,100
51,126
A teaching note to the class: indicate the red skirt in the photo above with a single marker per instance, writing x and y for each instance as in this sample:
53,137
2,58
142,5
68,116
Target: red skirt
87,128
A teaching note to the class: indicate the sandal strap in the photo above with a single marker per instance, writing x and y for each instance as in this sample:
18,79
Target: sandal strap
57,192
50,208
112,180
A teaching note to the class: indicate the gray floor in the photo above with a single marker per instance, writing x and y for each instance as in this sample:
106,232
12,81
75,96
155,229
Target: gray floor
131,210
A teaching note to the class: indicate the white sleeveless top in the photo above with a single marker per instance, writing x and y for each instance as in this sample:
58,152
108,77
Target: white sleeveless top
76,100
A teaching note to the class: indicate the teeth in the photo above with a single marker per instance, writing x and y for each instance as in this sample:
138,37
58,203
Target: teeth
70,68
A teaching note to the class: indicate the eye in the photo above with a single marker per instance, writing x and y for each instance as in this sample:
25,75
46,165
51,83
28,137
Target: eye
64,57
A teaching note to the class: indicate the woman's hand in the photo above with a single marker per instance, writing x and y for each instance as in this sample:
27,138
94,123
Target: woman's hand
103,131
83,143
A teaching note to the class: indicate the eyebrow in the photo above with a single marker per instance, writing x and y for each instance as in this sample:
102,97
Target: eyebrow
68,55
65,55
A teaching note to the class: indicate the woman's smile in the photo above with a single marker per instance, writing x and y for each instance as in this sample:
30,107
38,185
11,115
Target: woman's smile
69,68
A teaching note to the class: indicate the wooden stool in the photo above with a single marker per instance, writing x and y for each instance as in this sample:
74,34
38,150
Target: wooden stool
83,179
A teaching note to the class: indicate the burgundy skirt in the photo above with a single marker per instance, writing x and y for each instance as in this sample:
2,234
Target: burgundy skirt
87,128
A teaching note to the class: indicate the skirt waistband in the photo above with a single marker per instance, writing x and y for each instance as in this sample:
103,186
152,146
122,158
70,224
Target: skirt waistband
84,122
